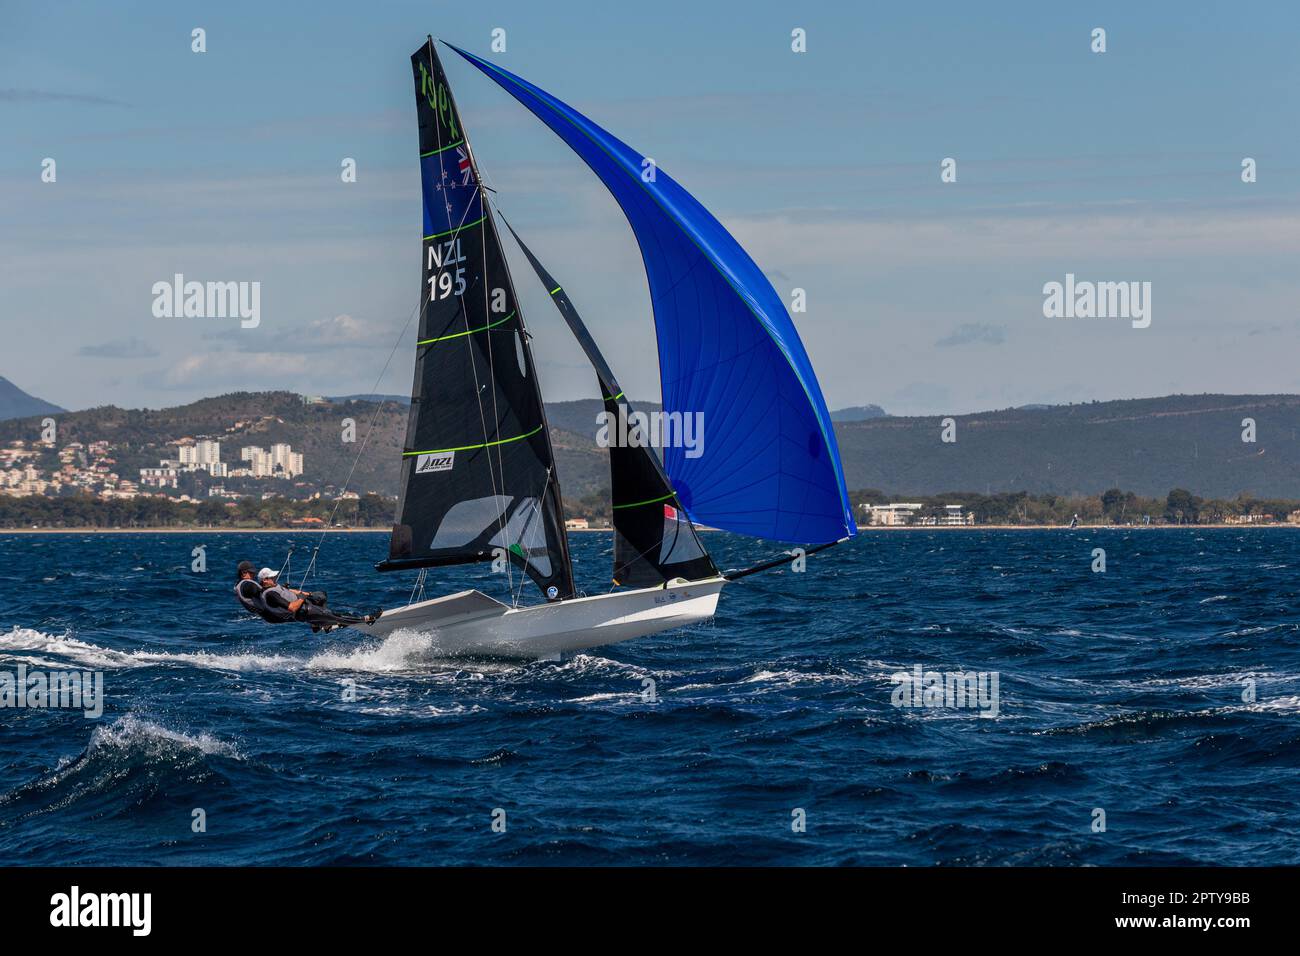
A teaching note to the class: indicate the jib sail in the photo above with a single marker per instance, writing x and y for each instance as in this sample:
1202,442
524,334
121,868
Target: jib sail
654,540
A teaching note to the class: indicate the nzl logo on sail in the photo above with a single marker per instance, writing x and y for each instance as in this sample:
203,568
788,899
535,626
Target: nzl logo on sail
439,461
445,253
436,96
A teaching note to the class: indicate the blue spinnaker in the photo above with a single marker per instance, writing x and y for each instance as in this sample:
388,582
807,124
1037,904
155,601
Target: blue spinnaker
768,465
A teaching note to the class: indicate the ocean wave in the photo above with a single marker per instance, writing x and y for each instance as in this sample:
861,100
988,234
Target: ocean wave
399,652
1281,705
1119,690
775,678
609,697
124,764
1138,723
141,737
593,665
94,657
791,678
1209,681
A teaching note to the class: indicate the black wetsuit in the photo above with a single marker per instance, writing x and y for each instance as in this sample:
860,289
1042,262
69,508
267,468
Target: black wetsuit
249,594
272,605
311,611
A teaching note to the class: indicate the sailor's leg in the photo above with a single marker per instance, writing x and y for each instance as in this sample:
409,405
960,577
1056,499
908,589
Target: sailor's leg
315,615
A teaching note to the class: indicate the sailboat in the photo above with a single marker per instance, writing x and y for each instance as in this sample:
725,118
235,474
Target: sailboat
478,476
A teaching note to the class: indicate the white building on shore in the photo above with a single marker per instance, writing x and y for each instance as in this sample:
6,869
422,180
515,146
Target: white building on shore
903,513
891,515
201,455
953,515
280,462
163,477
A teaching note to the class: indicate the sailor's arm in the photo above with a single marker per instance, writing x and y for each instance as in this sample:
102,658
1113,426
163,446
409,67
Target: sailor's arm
302,598
277,600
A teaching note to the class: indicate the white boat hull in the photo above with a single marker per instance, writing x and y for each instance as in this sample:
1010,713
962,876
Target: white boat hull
472,624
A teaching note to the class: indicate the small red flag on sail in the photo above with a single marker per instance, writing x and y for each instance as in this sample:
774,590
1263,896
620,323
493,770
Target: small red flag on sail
670,512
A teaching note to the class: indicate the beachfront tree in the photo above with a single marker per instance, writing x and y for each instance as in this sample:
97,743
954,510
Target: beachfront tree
1182,507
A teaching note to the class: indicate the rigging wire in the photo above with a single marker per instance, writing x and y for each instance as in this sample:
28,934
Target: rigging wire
549,482
546,483
616,391
537,513
374,419
523,337
418,589
421,302
469,345
496,415
523,341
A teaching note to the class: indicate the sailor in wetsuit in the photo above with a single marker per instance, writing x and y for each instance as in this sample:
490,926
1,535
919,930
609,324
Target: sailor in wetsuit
273,602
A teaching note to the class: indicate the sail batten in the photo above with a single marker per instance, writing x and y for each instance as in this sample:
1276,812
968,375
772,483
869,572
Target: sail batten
728,350
478,477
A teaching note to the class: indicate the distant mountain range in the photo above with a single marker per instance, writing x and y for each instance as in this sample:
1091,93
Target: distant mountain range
15,403
399,399
1147,446
858,413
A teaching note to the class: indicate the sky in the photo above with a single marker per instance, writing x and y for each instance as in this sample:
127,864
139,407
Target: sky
923,296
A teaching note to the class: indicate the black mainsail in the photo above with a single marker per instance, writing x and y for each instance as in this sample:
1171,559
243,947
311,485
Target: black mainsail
478,471
654,540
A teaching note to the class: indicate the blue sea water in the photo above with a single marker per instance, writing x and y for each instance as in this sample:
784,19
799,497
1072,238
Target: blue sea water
1122,691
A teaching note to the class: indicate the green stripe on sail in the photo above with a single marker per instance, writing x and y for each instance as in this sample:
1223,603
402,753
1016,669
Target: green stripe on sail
439,235
652,501
456,335
435,152
487,444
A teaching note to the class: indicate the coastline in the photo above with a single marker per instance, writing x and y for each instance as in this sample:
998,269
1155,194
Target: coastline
868,529
91,530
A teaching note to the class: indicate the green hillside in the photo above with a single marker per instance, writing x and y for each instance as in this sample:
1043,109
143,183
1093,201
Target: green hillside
1146,446
138,435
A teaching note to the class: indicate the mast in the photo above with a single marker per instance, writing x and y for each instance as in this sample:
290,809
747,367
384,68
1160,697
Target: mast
478,470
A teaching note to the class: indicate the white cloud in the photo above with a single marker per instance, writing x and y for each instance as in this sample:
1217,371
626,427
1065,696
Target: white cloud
973,333
119,349
211,373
